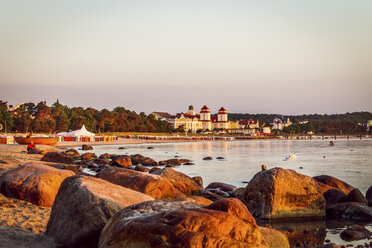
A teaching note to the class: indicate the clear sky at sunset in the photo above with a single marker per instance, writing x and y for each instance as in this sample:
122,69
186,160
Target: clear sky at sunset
288,57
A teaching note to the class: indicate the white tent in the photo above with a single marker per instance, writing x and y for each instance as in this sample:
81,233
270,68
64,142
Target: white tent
83,132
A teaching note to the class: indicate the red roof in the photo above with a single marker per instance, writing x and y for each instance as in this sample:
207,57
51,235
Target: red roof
222,109
214,118
205,107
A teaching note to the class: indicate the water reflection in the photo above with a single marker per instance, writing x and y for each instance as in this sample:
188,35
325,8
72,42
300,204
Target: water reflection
297,232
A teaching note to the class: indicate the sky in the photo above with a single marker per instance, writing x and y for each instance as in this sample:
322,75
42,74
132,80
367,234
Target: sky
285,57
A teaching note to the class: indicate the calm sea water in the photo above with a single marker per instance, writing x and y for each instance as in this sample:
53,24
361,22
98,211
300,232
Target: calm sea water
348,160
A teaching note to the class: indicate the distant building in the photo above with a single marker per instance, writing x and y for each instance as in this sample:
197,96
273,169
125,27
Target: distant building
280,123
193,122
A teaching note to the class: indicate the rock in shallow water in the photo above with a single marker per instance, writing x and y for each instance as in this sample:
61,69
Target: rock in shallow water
334,183
279,193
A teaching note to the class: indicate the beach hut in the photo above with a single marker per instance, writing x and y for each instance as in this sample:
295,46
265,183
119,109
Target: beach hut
78,135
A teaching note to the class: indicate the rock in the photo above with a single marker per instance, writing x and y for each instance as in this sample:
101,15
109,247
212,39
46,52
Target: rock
82,208
356,196
136,158
77,169
221,186
279,193
88,156
142,168
122,148
155,186
5,203
180,181
3,162
105,156
170,166
153,169
274,238
149,162
100,161
36,183
196,199
263,167
334,196
86,147
369,196
336,211
145,161
239,193
219,192
122,161
58,157
355,232
233,206
150,147
188,163
173,161
211,196
198,180
159,224
162,162
73,153
358,212
183,160
220,158
335,183
207,158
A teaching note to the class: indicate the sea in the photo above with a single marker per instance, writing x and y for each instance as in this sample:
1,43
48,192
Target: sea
348,160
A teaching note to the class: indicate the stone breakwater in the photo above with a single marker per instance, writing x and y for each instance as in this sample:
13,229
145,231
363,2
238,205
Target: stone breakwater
132,202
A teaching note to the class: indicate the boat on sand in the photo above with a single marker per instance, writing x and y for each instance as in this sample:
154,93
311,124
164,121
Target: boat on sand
50,141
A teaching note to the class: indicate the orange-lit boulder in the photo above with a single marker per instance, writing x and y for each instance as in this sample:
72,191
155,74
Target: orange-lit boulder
82,208
180,226
36,183
279,193
155,186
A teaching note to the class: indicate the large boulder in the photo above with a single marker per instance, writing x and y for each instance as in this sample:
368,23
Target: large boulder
355,196
122,161
36,183
279,193
335,183
180,226
369,196
358,212
334,196
180,181
82,208
155,186
58,157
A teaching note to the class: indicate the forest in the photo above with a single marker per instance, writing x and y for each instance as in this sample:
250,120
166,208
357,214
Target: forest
31,117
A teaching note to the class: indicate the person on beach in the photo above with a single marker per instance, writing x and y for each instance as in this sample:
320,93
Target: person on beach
30,146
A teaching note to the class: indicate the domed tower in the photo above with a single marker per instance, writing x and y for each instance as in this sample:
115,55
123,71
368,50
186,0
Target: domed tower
191,110
205,118
222,118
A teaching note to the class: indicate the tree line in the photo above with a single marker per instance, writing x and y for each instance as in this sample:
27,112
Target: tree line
31,117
